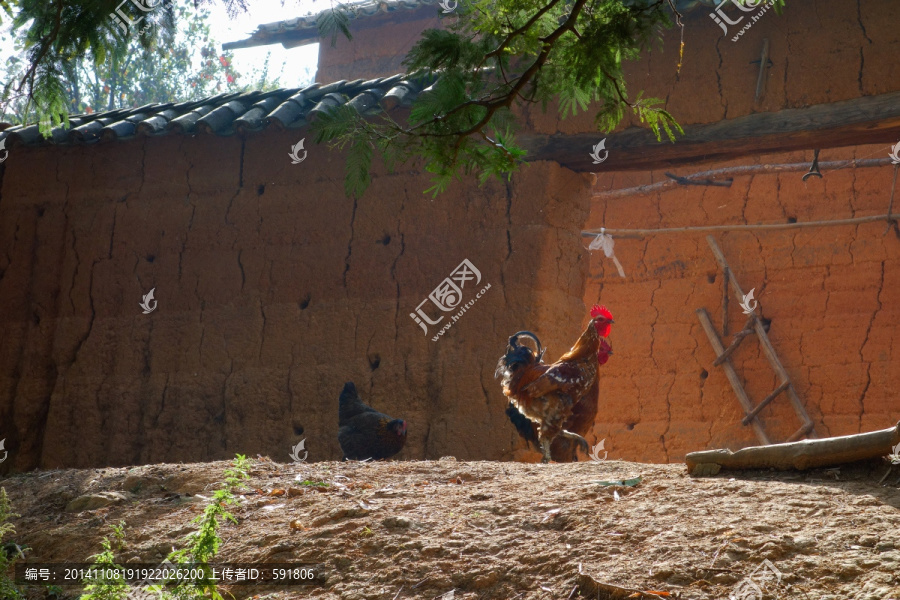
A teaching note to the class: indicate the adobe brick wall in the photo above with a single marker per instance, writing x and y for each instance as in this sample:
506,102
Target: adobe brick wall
273,289
832,294
375,51
822,51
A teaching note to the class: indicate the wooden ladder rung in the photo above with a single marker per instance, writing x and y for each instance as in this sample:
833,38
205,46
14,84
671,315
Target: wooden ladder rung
803,431
738,338
731,374
752,414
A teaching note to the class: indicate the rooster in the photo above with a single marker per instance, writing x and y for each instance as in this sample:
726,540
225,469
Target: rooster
545,399
364,432
584,411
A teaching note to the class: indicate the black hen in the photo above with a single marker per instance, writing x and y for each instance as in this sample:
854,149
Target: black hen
364,432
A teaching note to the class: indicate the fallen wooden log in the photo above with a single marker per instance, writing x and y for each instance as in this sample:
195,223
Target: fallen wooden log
806,454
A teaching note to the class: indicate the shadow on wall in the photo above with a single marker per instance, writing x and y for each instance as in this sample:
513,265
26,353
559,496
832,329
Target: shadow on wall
271,289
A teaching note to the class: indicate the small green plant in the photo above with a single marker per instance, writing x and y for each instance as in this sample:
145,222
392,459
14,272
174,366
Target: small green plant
308,482
100,587
204,543
8,589
366,532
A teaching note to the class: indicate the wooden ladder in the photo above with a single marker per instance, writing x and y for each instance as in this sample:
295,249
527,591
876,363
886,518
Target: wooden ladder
723,358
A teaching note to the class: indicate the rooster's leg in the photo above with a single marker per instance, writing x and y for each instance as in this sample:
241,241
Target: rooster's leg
545,450
546,434
582,443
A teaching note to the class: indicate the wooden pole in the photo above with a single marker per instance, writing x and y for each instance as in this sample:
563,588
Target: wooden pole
806,454
742,171
637,233
864,120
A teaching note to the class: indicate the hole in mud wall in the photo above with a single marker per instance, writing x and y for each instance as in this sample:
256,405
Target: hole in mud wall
385,239
374,361
304,303
704,373
711,277
150,258
792,219
261,189
630,426
298,429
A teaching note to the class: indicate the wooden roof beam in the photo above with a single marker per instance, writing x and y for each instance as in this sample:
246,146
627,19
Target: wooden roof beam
866,120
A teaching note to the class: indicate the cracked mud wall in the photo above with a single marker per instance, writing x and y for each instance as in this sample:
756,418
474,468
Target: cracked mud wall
378,47
273,289
821,51
832,294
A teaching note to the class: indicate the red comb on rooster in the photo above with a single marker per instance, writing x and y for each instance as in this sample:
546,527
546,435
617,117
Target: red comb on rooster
607,319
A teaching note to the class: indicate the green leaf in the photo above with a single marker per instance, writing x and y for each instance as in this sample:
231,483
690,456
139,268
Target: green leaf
359,160
334,21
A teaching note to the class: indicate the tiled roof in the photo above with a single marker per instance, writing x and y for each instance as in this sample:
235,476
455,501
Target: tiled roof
303,30
226,114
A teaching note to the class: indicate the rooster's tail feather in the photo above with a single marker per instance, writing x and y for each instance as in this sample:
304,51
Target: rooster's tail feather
523,425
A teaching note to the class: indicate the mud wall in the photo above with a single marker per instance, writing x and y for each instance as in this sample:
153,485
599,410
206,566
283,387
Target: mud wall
821,51
378,47
832,295
273,289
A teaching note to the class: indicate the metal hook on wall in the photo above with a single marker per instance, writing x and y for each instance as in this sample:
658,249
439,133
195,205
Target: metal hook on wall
814,169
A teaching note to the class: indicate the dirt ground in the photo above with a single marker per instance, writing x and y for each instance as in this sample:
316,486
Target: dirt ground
479,530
